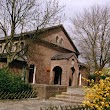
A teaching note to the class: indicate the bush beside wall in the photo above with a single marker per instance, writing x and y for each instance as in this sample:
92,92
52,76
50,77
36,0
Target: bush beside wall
11,85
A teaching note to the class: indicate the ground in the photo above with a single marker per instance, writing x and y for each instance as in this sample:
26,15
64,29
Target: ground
34,104
30,104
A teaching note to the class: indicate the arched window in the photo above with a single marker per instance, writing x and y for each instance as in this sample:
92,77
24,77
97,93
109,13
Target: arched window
22,45
57,38
61,41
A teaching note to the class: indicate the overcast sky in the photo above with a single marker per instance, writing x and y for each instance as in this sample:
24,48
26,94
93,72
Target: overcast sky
75,6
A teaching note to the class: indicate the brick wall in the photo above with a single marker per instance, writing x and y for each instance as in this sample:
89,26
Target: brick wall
58,32
45,91
40,55
66,67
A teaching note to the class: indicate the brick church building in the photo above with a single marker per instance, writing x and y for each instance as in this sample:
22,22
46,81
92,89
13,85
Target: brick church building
52,59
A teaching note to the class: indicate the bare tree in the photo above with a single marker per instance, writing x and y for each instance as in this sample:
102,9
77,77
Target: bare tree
92,29
17,16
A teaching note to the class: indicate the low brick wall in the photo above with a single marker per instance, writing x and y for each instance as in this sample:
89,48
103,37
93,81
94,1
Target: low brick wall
46,91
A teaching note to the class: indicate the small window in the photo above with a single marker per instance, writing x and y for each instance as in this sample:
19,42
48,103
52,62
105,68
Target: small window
57,38
61,41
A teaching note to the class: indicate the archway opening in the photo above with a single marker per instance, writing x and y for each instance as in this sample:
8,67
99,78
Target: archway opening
57,75
71,76
32,70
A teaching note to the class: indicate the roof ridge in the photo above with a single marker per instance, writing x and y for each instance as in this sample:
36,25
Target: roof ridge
32,31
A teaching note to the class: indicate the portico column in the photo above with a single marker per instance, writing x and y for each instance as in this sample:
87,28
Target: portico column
80,79
34,75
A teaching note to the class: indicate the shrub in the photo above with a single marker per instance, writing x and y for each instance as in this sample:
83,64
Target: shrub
12,83
92,76
98,95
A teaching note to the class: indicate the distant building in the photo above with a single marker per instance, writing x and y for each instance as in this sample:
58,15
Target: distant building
52,59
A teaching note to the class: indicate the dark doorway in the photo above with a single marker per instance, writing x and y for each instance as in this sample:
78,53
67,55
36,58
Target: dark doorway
57,76
31,73
71,76
73,70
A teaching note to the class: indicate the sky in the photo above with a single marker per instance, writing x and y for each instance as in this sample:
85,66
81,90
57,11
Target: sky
73,7
76,6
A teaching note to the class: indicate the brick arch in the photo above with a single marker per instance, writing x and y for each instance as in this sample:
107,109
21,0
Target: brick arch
57,75
71,75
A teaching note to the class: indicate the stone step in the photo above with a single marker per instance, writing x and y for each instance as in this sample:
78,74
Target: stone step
66,100
72,94
71,97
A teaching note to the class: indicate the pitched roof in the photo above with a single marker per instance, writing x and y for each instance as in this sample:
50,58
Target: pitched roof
23,58
43,30
63,56
70,40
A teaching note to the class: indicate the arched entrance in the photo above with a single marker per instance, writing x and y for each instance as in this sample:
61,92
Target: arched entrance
71,76
57,75
32,71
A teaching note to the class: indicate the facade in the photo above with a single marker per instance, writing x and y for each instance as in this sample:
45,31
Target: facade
52,59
